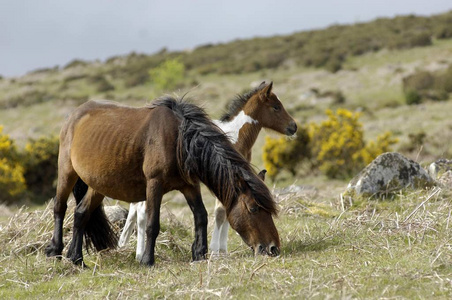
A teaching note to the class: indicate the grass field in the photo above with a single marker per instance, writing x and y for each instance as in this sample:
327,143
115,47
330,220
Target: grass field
400,248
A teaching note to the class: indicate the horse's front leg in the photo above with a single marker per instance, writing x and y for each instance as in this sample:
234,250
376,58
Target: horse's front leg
128,227
193,196
141,229
219,241
153,201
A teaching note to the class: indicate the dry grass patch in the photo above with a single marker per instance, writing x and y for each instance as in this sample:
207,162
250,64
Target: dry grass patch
398,248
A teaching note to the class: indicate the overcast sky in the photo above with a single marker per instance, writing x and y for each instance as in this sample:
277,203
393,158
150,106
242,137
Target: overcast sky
44,33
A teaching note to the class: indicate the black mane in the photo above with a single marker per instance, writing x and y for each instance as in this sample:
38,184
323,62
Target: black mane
237,104
206,154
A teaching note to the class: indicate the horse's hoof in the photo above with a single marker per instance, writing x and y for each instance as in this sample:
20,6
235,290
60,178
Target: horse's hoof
79,262
51,251
147,261
199,257
218,254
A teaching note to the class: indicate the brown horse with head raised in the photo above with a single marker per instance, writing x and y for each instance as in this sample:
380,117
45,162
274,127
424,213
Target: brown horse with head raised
247,115
133,154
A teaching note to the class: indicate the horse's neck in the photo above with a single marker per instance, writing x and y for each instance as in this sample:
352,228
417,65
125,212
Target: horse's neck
242,131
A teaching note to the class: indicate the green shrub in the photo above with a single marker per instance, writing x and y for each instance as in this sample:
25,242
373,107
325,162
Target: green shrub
333,65
74,77
420,39
426,85
75,63
102,84
136,79
41,166
418,81
415,141
444,80
443,32
412,97
26,97
168,75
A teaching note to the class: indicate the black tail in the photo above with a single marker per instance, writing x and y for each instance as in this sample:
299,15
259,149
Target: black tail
99,233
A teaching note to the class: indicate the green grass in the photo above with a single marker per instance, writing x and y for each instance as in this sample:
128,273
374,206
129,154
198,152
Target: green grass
389,249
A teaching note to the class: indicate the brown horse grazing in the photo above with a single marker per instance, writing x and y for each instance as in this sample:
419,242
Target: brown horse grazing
133,154
247,115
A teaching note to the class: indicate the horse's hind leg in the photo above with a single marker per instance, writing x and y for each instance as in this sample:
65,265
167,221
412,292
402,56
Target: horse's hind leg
194,200
66,180
82,215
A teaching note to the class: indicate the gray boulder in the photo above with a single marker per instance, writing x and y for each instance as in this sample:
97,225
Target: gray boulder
116,214
388,173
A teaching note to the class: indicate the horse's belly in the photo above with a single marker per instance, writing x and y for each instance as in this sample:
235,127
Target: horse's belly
112,167
112,184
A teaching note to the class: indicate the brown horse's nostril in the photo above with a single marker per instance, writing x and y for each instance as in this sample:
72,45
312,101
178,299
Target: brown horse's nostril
261,249
274,251
291,129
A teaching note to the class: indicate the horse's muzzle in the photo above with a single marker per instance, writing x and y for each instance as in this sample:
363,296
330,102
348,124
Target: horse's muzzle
270,250
291,129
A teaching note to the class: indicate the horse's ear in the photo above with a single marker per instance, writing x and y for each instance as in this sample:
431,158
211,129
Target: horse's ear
262,174
267,90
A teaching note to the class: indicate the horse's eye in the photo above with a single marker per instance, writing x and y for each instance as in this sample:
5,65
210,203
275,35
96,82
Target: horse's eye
254,209
276,108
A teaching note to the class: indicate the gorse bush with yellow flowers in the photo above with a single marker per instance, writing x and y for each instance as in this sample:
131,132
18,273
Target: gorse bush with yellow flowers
12,181
284,154
29,173
336,147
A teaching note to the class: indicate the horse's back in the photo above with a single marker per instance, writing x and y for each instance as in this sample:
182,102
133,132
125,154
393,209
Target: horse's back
109,145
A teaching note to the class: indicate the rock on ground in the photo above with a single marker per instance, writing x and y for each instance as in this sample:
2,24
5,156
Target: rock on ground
388,173
116,214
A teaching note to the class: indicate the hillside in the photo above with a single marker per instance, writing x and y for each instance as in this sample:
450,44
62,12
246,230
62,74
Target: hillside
374,58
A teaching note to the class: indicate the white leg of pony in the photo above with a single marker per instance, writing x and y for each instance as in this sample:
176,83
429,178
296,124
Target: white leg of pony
224,236
130,223
220,218
141,232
